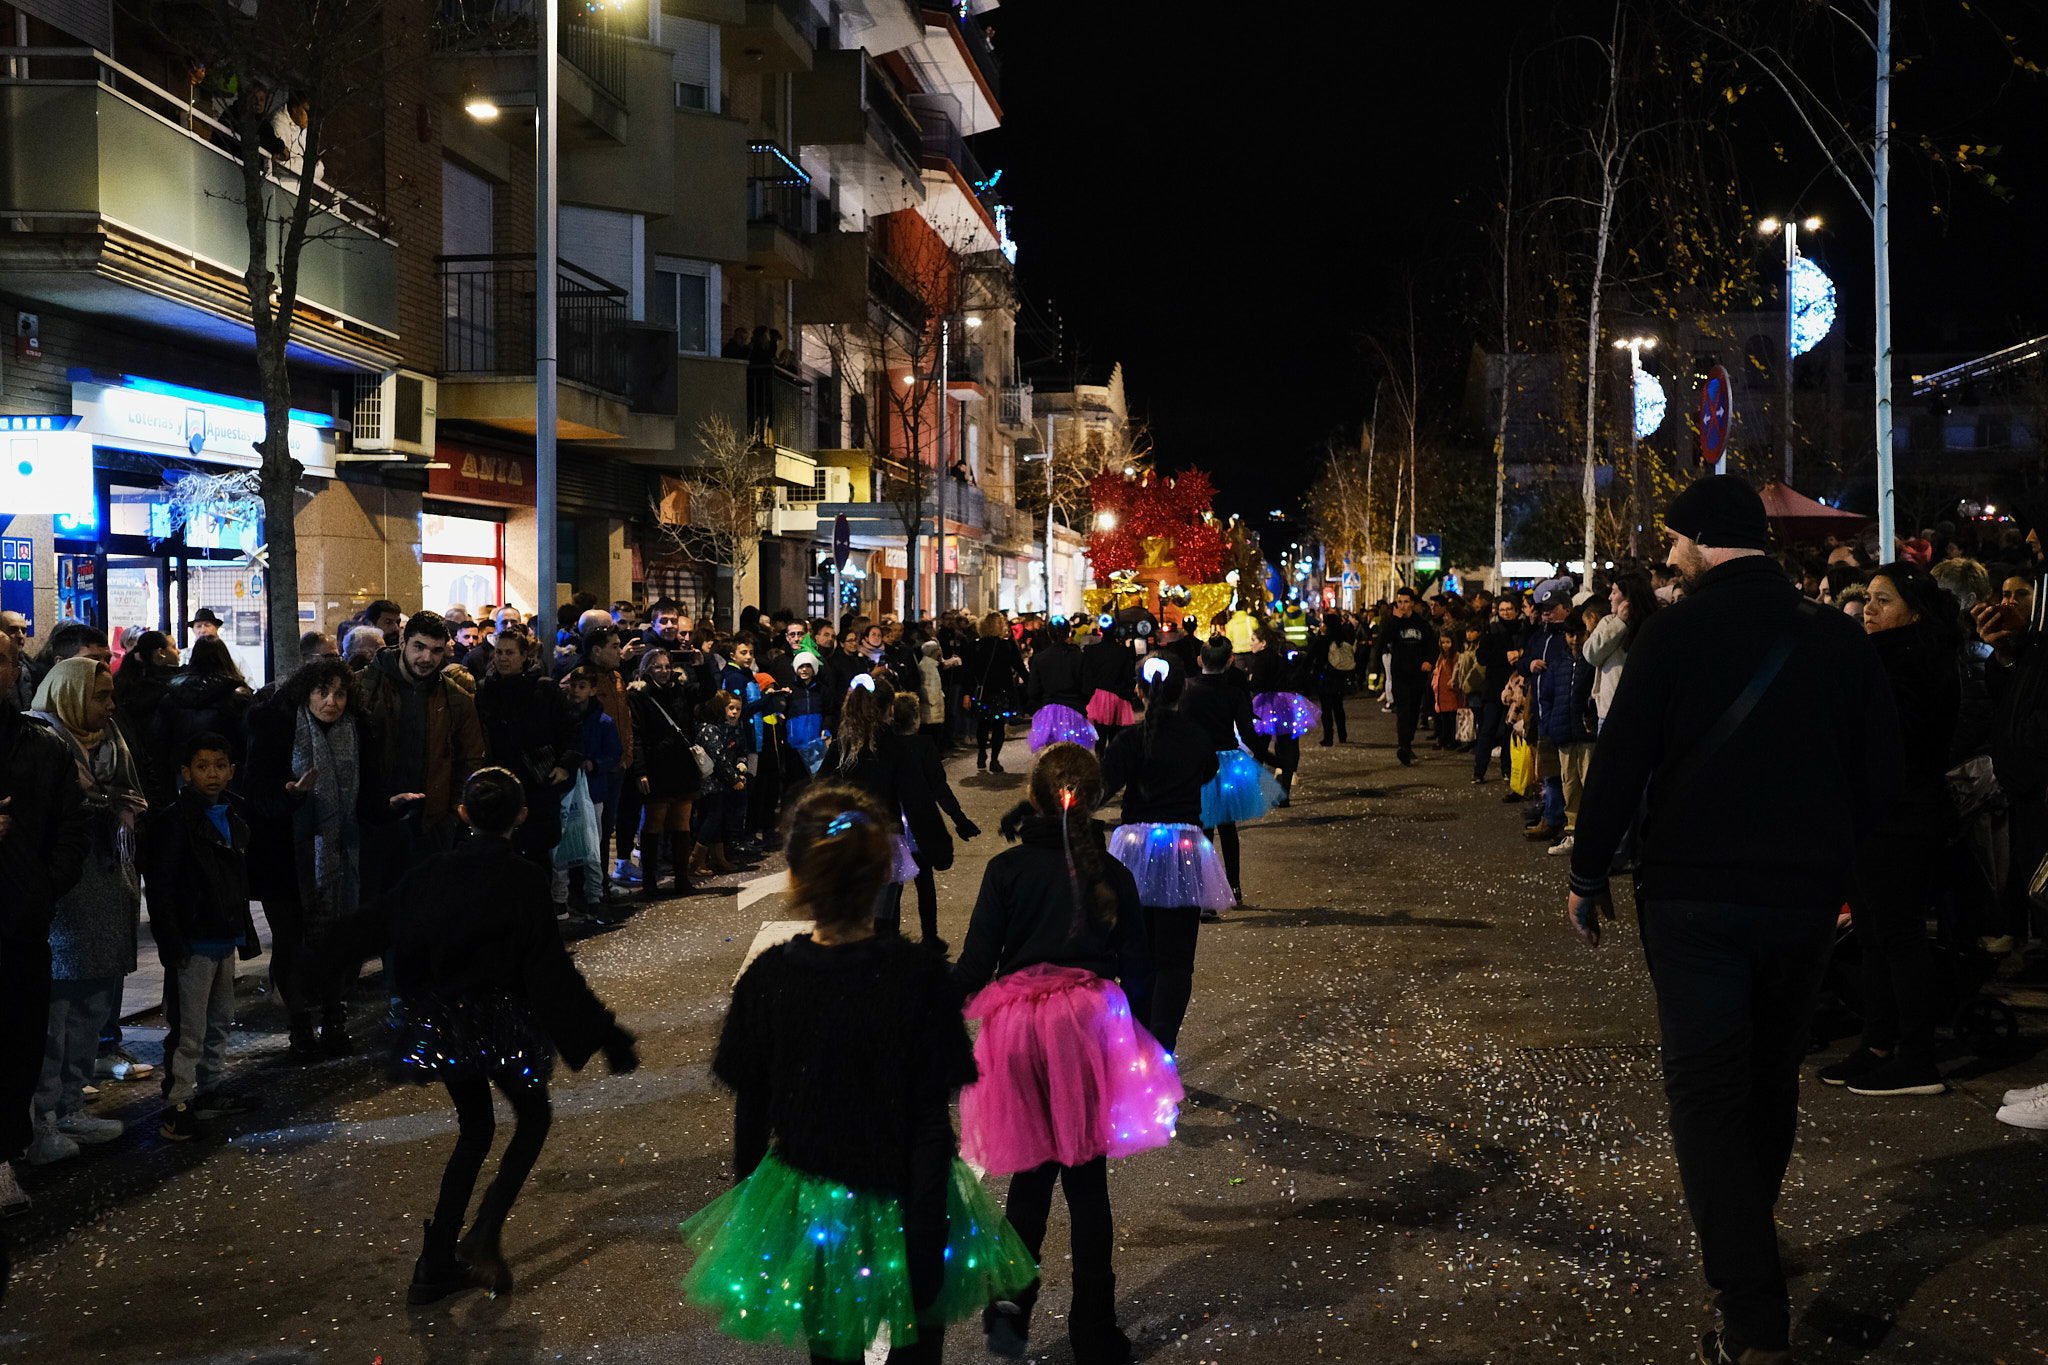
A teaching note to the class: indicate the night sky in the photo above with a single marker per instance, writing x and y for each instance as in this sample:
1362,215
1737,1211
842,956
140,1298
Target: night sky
1228,198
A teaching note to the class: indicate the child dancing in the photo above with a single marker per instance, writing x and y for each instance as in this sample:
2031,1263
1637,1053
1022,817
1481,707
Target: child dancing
1068,1076
843,1048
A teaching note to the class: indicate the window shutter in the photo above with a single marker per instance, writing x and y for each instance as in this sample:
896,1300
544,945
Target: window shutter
466,212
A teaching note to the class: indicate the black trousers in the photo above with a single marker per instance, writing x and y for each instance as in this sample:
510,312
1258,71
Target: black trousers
1091,1229
1287,757
24,1034
1333,716
1736,986
1225,839
1173,930
305,979
1407,710
1489,729
989,736
1896,880
476,1127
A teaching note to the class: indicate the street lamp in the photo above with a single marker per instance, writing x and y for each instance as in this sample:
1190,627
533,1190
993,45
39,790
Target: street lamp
1771,227
1645,415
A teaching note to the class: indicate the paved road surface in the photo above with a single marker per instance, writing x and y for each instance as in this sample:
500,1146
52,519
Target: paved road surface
1424,1124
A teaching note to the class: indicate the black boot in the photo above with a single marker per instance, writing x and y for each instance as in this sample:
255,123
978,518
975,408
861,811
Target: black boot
305,1045
481,1250
439,1271
1091,1323
334,1039
650,864
1007,1322
680,846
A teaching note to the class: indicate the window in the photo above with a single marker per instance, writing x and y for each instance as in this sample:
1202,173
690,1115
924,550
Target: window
463,560
694,67
816,492
686,298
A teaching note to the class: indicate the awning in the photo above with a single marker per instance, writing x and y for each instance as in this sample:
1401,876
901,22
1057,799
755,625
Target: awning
1798,517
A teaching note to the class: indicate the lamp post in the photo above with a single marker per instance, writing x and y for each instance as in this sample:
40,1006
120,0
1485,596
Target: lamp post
1790,227
1046,563
545,360
1635,346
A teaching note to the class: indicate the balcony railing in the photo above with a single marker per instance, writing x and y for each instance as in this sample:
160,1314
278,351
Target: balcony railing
779,192
1016,406
488,320
779,408
940,136
977,42
587,40
964,364
896,296
885,102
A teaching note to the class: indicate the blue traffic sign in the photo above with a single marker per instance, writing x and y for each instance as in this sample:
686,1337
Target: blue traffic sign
1430,546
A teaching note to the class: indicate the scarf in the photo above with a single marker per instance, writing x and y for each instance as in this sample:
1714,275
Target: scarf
66,692
114,803
326,839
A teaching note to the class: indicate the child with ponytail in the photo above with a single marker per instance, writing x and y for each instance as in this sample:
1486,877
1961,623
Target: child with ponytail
1069,1077
852,1214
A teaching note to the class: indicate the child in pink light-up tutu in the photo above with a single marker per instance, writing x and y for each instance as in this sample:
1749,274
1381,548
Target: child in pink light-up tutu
1069,1077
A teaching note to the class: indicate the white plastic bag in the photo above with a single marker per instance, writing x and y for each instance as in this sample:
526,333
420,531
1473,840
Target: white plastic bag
579,844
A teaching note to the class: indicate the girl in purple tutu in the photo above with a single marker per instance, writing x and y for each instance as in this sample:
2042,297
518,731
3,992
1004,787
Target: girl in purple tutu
1161,765
1278,707
1069,1078
1055,691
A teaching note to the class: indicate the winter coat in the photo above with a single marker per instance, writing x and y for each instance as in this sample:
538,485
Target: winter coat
727,746
610,693
876,771
139,691
195,703
94,929
995,673
276,828
1412,641
1468,675
43,855
811,713
597,739
1162,786
530,730
1443,687
198,881
924,792
663,729
1551,687
754,705
450,743
1110,666
1926,685
931,692
1277,669
1607,651
1498,640
1026,915
1055,677
1323,675
1220,705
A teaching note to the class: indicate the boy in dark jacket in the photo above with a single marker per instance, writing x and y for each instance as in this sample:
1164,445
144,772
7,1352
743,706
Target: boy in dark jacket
197,865
603,754
1548,666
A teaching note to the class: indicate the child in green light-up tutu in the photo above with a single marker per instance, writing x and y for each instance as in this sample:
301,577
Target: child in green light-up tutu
844,1049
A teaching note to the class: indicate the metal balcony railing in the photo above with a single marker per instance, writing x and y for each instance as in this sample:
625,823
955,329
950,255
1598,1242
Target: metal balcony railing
896,296
1016,406
976,37
940,137
965,363
488,320
882,100
779,192
588,41
779,409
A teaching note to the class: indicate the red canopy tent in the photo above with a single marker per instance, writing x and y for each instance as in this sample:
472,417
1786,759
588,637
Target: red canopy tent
1798,517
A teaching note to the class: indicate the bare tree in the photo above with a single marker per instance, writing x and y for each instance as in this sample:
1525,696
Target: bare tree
720,523
317,61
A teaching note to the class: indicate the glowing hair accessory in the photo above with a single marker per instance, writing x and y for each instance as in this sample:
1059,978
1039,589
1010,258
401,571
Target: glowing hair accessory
843,822
1154,669
1105,621
865,681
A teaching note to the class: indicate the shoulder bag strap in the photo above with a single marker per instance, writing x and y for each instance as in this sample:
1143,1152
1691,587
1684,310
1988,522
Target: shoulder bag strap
1745,701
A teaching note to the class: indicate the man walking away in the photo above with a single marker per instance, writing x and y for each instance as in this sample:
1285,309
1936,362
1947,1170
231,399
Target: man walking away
1763,732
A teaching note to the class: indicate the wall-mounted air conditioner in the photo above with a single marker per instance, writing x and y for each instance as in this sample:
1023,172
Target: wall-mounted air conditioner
394,414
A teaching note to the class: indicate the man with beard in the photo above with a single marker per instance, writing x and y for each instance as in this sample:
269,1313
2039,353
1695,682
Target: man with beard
426,732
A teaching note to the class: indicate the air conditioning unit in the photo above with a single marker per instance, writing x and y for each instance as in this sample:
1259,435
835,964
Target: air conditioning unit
394,414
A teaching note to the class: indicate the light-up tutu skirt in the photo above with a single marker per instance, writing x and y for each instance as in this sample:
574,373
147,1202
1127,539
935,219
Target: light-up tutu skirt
1174,865
1241,790
903,866
435,1040
823,1267
1288,714
1066,1074
1107,708
1057,724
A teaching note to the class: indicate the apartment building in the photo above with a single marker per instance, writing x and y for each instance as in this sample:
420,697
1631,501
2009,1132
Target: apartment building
770,220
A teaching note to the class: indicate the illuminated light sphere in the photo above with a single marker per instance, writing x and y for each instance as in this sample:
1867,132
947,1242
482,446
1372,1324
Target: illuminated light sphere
1649,403
1813,305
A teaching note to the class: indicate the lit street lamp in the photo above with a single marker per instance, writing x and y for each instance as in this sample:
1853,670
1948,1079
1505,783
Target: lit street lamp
1795,287
1645,415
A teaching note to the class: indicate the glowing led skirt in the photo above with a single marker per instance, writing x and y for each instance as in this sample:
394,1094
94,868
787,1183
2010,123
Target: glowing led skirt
1241,790
1288,714
435,1040
1107,708
822,1267
904,867
1056,724
1174,865
1067,1074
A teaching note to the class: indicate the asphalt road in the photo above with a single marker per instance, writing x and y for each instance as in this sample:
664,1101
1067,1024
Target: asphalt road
1423,1124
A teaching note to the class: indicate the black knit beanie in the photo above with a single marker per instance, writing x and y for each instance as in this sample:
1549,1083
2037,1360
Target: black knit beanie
1721,512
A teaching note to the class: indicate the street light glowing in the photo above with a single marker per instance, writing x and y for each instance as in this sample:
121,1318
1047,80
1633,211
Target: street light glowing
1768,227
974,322
1813,305
1106,520
1811,224
1650,403
477,107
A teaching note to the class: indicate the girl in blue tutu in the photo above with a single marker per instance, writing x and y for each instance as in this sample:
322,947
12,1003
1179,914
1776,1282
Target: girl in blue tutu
1219,701
853,1214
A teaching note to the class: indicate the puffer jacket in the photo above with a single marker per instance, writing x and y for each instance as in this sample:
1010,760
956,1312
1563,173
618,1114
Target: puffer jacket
194,704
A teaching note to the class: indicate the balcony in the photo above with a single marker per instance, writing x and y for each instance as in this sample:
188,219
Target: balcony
966,369
1014,412
126,202
854,119
955,57
488,325
850,285
488,47
778,37
782,214
954,180
779,411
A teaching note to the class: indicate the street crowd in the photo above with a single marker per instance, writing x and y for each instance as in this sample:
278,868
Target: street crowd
1824,774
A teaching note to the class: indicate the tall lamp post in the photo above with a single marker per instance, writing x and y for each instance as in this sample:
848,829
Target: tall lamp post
1770,227
1046,563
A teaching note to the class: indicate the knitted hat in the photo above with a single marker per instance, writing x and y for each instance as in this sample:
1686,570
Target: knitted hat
804,656
1720,512
930,649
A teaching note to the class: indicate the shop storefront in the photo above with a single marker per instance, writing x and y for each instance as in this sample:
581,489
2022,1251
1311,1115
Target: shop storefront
473,494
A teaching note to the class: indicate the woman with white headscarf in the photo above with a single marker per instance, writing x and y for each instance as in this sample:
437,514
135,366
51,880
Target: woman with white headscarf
93,933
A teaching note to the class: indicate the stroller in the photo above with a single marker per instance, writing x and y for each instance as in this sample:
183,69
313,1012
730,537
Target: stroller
1975,872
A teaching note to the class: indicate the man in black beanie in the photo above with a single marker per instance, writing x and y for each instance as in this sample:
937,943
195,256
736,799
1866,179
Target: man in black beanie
1762,730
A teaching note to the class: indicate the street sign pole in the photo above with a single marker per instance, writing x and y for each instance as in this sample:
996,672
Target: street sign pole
1717,419
842,546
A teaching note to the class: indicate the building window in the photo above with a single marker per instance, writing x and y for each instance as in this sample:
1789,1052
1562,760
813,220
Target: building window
462,560
686,298
816,492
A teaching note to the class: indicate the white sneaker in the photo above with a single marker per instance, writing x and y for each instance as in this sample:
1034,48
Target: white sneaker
12,1198
2027,1096
120,1065
82,1128
89,1093
1561,847
2030,1114
49,1145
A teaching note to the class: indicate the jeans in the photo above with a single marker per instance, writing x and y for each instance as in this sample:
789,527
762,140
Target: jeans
1091,1228
1736,986
1407,710
1552,792
1489,729
1333,715
1173,931
24,1034
477,1125
199,1008
78,1011
722,816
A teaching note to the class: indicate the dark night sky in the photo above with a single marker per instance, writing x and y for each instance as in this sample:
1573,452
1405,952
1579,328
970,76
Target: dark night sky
1225,198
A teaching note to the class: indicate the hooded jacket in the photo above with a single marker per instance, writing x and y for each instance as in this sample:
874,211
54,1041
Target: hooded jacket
198,881
1026,914
43,855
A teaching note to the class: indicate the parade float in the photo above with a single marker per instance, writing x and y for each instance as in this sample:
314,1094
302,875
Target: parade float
1157,546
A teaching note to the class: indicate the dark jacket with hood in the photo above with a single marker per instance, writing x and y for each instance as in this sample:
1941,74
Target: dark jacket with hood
1162,782
198,881
43,855
1771,816
1026,913
1220,704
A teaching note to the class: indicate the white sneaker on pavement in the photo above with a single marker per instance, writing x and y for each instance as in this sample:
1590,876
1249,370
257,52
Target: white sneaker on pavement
12,1198
1561,847
49,1145
87,1131
2028,1114
120,1065
2027,1096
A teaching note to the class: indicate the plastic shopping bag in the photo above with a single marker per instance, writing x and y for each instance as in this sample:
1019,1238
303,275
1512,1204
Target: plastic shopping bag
1521,765
579,844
